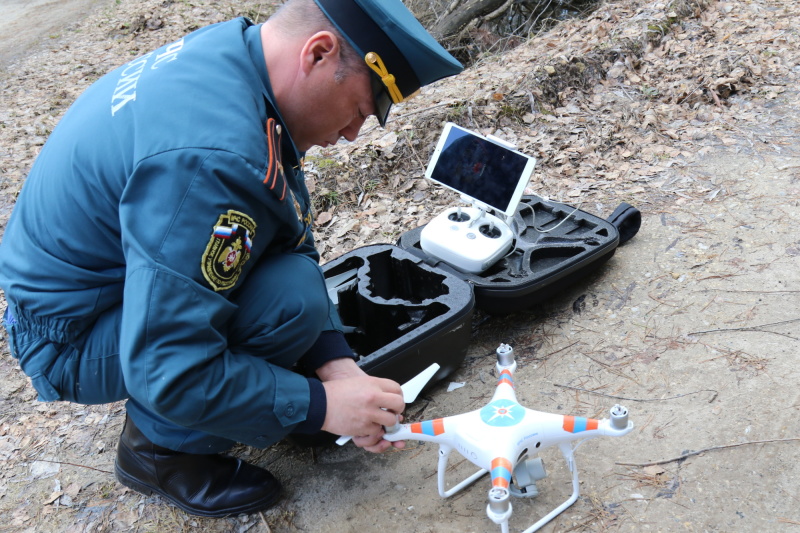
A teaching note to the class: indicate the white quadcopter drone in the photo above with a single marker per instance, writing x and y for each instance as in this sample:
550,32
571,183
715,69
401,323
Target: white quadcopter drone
503,437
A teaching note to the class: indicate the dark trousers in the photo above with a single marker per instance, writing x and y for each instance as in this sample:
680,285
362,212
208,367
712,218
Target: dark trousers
276,321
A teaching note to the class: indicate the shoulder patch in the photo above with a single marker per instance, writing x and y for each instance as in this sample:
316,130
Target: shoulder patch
228,249
274,178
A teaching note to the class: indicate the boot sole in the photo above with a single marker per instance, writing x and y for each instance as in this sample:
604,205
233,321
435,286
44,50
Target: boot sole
147,490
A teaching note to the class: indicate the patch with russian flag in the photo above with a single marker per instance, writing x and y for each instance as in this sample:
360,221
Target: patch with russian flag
228,249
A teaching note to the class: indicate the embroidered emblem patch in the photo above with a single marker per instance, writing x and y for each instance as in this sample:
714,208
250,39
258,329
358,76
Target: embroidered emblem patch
228,250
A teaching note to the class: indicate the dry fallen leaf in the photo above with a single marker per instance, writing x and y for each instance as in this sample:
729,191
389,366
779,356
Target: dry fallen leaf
654,470
323,218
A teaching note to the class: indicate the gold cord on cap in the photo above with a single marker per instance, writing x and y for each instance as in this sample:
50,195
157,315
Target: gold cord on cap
376,63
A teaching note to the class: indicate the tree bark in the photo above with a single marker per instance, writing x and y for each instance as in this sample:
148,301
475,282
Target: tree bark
458,19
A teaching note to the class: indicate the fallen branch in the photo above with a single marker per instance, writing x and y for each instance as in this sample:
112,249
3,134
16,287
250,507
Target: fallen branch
416,155
74,464
714,397
749,328
610,368
559,350
424,109
689,454
758,292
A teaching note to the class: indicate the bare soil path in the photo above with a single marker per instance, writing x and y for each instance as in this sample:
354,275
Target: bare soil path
26,24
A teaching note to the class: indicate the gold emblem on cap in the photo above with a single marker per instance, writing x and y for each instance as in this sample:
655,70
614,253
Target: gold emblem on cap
375,62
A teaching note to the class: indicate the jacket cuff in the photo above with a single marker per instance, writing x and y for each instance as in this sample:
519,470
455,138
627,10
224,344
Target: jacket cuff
329,345
317,407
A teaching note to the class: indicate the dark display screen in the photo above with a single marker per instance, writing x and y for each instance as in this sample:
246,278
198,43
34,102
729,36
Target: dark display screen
479,168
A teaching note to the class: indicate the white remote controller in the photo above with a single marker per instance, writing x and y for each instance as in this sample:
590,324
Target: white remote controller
466,238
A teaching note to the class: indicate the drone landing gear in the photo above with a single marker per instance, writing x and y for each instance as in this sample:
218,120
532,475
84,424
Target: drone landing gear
499,508
567,450
444,453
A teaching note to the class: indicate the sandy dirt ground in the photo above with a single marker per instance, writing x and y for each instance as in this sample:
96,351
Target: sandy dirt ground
692,325
27,24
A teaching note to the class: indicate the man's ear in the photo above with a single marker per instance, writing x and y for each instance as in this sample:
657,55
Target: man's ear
320,50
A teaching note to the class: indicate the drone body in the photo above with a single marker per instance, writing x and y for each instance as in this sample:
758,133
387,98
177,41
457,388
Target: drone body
502,439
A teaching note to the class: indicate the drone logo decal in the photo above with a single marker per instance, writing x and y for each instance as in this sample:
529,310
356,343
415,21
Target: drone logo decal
502,413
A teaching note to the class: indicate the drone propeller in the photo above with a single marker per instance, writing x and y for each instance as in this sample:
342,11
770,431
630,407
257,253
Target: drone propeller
414,386
411,390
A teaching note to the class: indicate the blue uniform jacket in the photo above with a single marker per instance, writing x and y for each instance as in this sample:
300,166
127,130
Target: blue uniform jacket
187,178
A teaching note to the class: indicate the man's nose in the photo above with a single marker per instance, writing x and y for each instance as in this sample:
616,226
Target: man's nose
350,132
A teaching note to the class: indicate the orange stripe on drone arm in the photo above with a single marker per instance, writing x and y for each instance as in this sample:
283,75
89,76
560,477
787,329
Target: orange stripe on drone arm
501,461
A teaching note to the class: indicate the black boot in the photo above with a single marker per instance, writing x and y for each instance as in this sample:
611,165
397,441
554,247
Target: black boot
204,485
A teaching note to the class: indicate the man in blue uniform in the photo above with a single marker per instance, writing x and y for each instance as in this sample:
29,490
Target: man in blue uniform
161,249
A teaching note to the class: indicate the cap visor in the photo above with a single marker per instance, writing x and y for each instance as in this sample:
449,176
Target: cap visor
383,102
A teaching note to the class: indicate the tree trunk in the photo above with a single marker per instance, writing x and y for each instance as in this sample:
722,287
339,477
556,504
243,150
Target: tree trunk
457,20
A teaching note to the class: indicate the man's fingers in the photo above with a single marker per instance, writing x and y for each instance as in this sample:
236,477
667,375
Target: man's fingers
389,385
380,447
360,405
367,441
385,418
392,402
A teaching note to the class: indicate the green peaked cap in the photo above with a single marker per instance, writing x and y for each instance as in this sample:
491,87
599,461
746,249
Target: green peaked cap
402,55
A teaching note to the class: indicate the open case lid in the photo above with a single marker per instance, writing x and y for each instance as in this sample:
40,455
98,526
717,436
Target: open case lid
555,246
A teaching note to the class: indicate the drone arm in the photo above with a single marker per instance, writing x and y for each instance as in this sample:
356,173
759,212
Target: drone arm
430,431
563,428
609,431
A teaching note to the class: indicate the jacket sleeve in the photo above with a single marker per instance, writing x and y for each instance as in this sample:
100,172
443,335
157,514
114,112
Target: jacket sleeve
174,351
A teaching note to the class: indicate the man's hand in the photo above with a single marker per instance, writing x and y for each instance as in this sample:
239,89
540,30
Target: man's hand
360,405
339,369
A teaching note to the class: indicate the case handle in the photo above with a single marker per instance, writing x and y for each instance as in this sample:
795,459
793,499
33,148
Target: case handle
627,219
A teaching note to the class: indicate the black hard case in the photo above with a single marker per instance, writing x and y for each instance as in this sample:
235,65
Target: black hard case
401,314
404,310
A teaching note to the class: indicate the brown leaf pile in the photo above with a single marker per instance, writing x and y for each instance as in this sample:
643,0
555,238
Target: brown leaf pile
615,108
